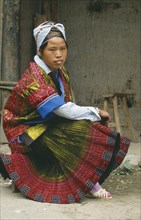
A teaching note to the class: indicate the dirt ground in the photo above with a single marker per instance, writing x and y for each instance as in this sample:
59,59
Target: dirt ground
124,184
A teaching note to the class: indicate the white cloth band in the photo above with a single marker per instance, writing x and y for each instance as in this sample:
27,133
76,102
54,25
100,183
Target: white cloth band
42,31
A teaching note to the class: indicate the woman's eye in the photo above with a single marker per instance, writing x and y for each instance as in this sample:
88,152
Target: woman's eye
52,49
63,48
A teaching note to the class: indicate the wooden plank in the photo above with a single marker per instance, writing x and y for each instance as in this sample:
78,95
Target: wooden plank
6,88
7,83
120,94
128,120
107,95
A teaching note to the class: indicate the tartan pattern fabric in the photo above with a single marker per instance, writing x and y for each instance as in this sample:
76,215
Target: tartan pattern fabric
71,198
14,176
39,197
77,161
7,160
89,184
107,155
17,147
24,189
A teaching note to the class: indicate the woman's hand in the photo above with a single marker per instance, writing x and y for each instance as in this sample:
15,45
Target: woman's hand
105,117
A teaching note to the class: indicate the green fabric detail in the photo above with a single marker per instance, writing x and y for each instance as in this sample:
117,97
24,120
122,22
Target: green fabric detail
57,145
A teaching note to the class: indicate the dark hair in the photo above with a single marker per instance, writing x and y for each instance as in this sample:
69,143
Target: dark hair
45,42
54,32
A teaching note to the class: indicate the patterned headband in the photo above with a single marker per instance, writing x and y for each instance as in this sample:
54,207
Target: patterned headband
43,30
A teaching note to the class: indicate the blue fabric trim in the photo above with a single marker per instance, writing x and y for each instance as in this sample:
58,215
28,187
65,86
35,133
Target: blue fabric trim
49,105
61,86
40,120
19,139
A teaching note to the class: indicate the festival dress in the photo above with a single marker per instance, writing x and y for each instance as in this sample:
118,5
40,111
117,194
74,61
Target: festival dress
55,159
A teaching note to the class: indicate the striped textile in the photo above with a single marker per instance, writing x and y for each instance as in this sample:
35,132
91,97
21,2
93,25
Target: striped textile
65,162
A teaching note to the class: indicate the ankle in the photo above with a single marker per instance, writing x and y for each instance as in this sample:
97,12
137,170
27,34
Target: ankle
96,188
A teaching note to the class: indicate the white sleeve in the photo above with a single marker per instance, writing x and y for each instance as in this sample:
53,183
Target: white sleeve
75,112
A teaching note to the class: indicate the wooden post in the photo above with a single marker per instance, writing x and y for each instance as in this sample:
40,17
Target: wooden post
1,25
11,41
116,114
128,119
106,101
106,104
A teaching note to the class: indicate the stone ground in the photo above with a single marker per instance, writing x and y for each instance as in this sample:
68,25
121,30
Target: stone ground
124,184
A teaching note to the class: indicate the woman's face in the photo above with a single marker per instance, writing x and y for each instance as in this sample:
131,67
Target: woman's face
55,53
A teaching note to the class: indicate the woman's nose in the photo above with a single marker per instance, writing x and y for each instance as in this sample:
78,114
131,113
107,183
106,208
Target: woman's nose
58,53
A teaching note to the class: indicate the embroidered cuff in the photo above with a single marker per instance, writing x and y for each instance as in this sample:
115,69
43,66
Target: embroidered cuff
49,105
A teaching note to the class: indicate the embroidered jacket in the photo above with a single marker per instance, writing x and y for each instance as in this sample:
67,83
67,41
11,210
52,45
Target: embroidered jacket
32,101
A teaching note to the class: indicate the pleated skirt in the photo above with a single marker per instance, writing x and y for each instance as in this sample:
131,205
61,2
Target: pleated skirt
66,161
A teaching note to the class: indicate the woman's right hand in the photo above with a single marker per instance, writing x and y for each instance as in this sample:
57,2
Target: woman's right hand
105,117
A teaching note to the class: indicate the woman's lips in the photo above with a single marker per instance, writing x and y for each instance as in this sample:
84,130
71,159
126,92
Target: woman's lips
58,62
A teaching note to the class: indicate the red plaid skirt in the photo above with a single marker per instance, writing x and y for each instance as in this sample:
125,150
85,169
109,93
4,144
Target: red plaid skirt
66,161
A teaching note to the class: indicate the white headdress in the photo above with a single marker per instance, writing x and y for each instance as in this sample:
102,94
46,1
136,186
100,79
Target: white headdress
43,30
